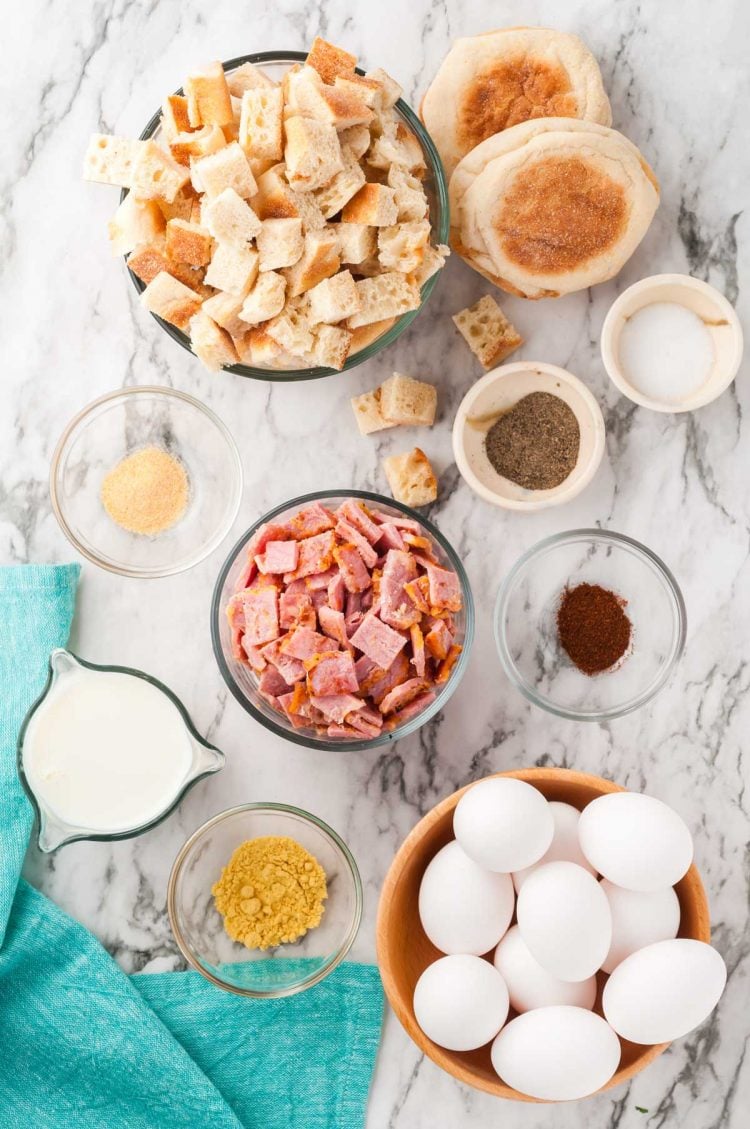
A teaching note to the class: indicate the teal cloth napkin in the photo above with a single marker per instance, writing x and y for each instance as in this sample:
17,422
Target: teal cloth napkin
85,1046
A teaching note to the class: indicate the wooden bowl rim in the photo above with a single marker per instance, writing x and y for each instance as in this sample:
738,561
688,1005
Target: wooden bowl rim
441,1057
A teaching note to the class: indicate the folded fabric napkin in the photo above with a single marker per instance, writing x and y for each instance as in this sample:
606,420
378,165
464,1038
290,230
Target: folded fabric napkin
84,1045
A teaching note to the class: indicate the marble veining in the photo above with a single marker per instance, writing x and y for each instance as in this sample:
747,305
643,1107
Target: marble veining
72,328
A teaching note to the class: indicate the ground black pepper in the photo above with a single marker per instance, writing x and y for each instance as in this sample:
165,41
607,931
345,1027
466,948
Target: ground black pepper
593,627
535,443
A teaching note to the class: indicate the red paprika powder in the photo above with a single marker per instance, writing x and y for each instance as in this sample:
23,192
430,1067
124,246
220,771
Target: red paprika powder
593,628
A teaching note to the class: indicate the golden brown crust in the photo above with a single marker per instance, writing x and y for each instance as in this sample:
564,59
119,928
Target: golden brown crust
188,243
364,335
208,98
512,91
147,262
330,61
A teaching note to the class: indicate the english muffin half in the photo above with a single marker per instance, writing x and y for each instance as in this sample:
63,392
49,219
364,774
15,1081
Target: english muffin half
488,83
551,206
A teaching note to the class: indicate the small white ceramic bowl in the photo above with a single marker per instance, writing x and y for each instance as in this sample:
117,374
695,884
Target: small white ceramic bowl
494,394
712,308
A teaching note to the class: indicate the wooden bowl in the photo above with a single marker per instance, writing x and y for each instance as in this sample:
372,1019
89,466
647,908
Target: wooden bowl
404,950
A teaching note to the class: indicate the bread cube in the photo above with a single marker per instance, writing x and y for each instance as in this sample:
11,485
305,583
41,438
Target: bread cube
174,116
265,300
331,104
356,140
261,123
291,330
110,160
294,81
357,241
368,90
320,259
150,259
345,184
211,344
411,478
396,146
208,97
233,268
374,204
368,414
334,299
312,153
227,168
182,207
134,222
390,89
248,77
487,331
433,261
197,143
256,348
156,173
229,218
407,401
402,247
188,243
280,243
331,347
388,295
330,61
274,198
409,194
171,300
225,311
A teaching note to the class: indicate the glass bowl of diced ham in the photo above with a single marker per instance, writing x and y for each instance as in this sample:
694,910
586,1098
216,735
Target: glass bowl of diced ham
342,620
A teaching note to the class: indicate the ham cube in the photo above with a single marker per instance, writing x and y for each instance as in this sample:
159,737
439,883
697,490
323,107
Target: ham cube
315,518
321,580
446,667
294,608
411,710
353,568
400,696
280,556
397,520
315,555
390,537
438,640
445,588
260,607
336,707
348,533
289,668
332,622
418,657
336,592
363,726
254,656
263,534
417,591
271,682
396,609
379,682
356,514
364,667
331,672
303,643
378,641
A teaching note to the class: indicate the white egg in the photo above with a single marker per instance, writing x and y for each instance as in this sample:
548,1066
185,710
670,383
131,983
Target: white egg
564,918
635,841
564,846
531,986
463,907
556,1054
503,824
663,991
639,919
460,1002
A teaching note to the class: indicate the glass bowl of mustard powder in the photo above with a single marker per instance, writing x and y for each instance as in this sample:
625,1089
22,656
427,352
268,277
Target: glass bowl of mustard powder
146,481
264,900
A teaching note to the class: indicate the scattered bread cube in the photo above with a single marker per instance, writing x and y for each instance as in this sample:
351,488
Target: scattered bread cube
211,344
391,91
402,247
368,414
334,299
261,123
208,97
487,331
280,243
374,204
171,300
357,241
330,61
411,478
225,309
198,143
134,222
265,300
233,268
156,173
312,153
188,243
110,160
340,189
174,116
248,77
227,168
229,218
404,400
331,346
320,259
385,296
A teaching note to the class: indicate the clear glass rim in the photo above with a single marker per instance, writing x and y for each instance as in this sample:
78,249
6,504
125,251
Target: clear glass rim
309,740
131,833
606,537
320,973
440,230
143,390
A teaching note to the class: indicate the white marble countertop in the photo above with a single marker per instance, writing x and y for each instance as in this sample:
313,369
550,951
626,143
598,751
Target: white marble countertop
72,329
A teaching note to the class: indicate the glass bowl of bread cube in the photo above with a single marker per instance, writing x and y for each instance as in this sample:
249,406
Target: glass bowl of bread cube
342,620
284,216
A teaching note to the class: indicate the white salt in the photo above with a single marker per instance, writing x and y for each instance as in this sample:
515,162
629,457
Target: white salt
666,352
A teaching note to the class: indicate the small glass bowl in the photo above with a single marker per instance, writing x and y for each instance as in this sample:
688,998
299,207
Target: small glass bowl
198,927
526,629
119,424
276,63
243,683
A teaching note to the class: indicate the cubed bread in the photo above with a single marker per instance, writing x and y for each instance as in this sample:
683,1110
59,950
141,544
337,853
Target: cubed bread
134,222
156,173
396,145
296,78
357,241
320,259
374,204
171,300
227,168
407,401
331,347
188,243
409,193
364,335
233,268
369,91
368,414
312,153
309,211
248,77
196,144
402,247
182,207
411,478
174,116
274,198
256,348
391,91
265,300
229,218
487,331
330,61
387,295
433,261
211,344
150,259
110,160
291,330
225,311
345,184
208,97
261,119
334,299
280,243
338,107
356,140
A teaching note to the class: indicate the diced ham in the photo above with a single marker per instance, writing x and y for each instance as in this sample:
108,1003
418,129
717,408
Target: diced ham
271,699
364,667
248,574
271,682
367,599
298,720
253,655
295,587
356,514
379,682
321,580
353,621
315,518
353,604
414,707
438,640
417,591
269,531
319,599
401,695
446,667
236,618
378,641
290,669
303,643
294,608
260,608
353,568
417,650
332,622
280,556
396,609
362,726
348,533
336,707
416,541
336,592
344,731
315,555
397,520
331,672
445,588
391,537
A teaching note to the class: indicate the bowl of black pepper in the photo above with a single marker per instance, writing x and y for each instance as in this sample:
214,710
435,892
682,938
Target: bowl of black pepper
590,624
528,436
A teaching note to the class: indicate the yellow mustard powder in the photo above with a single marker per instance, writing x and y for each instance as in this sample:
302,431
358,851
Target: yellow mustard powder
147,492
271,891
